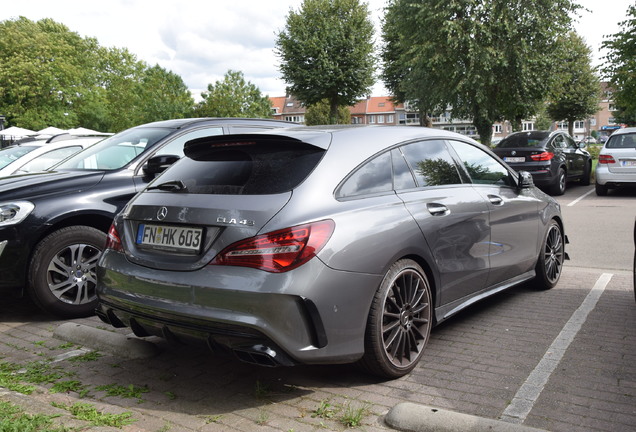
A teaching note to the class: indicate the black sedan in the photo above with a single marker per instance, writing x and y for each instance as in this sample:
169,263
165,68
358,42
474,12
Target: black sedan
553,158
53,224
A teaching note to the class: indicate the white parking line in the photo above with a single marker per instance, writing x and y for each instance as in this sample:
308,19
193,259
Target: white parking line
581,197
529,392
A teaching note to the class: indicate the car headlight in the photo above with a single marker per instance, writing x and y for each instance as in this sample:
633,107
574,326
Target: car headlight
12,213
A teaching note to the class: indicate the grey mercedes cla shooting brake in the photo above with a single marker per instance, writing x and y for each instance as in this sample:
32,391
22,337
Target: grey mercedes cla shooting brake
329,245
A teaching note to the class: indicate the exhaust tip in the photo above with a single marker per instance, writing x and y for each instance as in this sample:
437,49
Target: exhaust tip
263,356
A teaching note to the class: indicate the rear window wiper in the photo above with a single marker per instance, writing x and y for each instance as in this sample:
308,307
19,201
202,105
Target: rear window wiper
171,186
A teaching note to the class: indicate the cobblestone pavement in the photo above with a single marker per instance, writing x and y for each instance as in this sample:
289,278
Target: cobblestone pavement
481,362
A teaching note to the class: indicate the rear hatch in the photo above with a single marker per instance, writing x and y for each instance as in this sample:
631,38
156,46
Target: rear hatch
524,151
225,190
622,148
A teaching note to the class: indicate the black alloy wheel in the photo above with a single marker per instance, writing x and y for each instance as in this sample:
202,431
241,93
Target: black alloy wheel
551,257
400,321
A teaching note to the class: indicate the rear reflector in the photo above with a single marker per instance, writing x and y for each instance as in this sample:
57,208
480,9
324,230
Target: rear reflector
278,251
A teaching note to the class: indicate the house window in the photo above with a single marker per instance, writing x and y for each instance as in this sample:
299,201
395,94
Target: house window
527,126
380,119
295,119
593,121
371,119
497,128
381,104
356,120
579,125
562,126
391,119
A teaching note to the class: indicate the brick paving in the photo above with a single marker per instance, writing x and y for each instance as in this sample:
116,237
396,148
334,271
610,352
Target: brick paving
475,364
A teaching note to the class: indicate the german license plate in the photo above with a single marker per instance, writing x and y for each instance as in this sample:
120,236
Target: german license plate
628,163
514,159
170,237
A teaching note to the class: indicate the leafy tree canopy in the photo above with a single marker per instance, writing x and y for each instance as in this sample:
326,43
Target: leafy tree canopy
51,76
621,68
576,92
234,97
319,114
326,51
487,60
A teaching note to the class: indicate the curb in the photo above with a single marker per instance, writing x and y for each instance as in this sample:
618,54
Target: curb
114,343
410,417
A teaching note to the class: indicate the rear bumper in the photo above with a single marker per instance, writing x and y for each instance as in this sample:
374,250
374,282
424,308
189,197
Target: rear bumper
607,178
312,314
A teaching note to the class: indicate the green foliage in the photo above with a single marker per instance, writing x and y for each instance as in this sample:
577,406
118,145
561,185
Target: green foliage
576,92
326,52
51,76
319,114
234,97
88,412
487,60
621,68
14,419
131,391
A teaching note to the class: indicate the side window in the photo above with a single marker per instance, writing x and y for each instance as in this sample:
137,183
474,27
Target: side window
49,159
402,175
431,163
175,147
371,178
482,167
559,142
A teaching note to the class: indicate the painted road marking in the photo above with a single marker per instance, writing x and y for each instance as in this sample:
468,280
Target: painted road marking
529,392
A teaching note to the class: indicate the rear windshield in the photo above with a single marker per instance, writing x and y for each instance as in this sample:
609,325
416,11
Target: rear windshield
523,140
621,141
256,168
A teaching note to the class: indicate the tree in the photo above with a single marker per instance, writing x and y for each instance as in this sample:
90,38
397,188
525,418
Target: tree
326,52
487,60
163,96
234,97
44,70
319,114
577,90
620,68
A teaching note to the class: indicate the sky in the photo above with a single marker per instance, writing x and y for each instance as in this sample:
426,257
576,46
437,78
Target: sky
200,40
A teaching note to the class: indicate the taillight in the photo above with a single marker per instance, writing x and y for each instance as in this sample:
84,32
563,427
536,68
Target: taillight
278,251
606,159
545,156
113,241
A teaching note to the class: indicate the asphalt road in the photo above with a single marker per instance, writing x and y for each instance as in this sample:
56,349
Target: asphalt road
557,360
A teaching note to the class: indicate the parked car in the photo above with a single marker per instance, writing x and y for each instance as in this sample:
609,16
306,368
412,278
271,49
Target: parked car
553,158
53,224
325,245
39,154
616,165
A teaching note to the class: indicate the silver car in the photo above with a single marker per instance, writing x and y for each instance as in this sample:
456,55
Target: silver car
617,162
328,245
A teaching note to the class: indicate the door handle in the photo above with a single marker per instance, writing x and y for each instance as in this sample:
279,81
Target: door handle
496,200
437,209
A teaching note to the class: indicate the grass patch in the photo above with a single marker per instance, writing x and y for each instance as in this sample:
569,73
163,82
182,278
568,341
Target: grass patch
129,392
13,376
13,419
88,412
325,410
352,417
69,386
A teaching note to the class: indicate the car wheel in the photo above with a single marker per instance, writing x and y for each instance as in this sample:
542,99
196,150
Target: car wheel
587,174
601,190
399,322
551,256
558,188
62,272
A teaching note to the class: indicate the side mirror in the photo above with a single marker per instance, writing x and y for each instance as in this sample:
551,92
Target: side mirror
525,180
158,164
582,144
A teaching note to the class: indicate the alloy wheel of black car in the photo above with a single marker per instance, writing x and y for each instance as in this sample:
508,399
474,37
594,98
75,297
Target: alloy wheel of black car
62,277
400,321
550,262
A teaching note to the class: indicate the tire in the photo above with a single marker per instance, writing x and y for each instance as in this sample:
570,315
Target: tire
587,174
62,277
601,190
558,188
550,261
399,322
